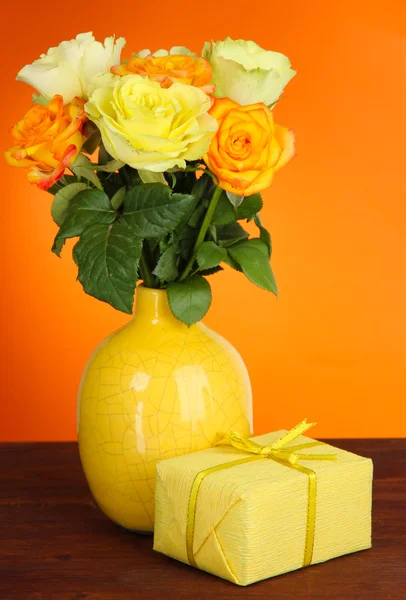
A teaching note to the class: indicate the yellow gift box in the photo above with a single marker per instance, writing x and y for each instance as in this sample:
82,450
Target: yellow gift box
247,510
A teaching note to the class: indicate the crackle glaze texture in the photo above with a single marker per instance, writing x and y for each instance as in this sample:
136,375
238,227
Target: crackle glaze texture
153,390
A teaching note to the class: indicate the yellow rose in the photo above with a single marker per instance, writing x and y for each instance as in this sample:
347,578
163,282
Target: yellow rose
150,127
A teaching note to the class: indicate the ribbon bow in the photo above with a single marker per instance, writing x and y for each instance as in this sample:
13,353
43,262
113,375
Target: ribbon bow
279,452
277,449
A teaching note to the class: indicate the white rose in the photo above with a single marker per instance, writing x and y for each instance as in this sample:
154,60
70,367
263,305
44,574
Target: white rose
246,73
177,50
68,69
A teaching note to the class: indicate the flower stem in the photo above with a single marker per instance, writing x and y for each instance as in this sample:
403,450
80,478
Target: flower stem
145,273
202,232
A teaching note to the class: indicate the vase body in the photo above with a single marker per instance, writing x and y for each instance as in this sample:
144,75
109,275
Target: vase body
152,390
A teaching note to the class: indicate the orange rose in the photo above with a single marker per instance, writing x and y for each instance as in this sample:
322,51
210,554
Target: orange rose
47,140
248,148
170,69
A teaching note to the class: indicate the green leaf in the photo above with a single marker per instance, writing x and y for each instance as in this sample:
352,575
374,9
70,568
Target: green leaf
190,300
230,234
249,207
225,211
107,256
153,210
167,267
191,168
186,240
252,256
197,214
83,167
110,167
264,234
257,243
210,255
63,181
164,243
212,175
86,208
89,175
172,177
201,193
212,233
202,186
118,198
40,99
151,177
234,199
232,263
211,271
83,161
62,199
57,246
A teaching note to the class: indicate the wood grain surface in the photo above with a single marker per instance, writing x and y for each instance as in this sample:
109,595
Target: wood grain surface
55,544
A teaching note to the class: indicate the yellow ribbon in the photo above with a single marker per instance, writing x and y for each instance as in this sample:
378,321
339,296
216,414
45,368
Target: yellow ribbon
278,452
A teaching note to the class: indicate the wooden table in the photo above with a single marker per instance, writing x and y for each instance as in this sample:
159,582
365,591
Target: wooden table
55,544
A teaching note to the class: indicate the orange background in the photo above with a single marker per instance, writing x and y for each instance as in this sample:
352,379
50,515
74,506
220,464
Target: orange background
333,345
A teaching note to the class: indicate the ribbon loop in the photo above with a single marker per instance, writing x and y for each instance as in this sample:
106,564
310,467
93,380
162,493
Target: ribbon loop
232,438
277,450
285,456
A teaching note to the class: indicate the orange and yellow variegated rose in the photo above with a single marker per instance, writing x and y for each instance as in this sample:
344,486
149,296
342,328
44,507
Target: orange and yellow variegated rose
170,69
248,147
47,140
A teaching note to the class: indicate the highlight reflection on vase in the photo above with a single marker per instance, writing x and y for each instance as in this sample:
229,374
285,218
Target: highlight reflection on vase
153,390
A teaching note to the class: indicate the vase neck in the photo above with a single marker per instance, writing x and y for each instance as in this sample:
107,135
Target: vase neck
152,307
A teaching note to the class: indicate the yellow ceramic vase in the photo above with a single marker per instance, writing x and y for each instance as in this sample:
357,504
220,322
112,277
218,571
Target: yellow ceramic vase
152,390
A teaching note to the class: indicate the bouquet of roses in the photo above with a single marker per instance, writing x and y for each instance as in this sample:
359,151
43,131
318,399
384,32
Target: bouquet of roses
155,162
